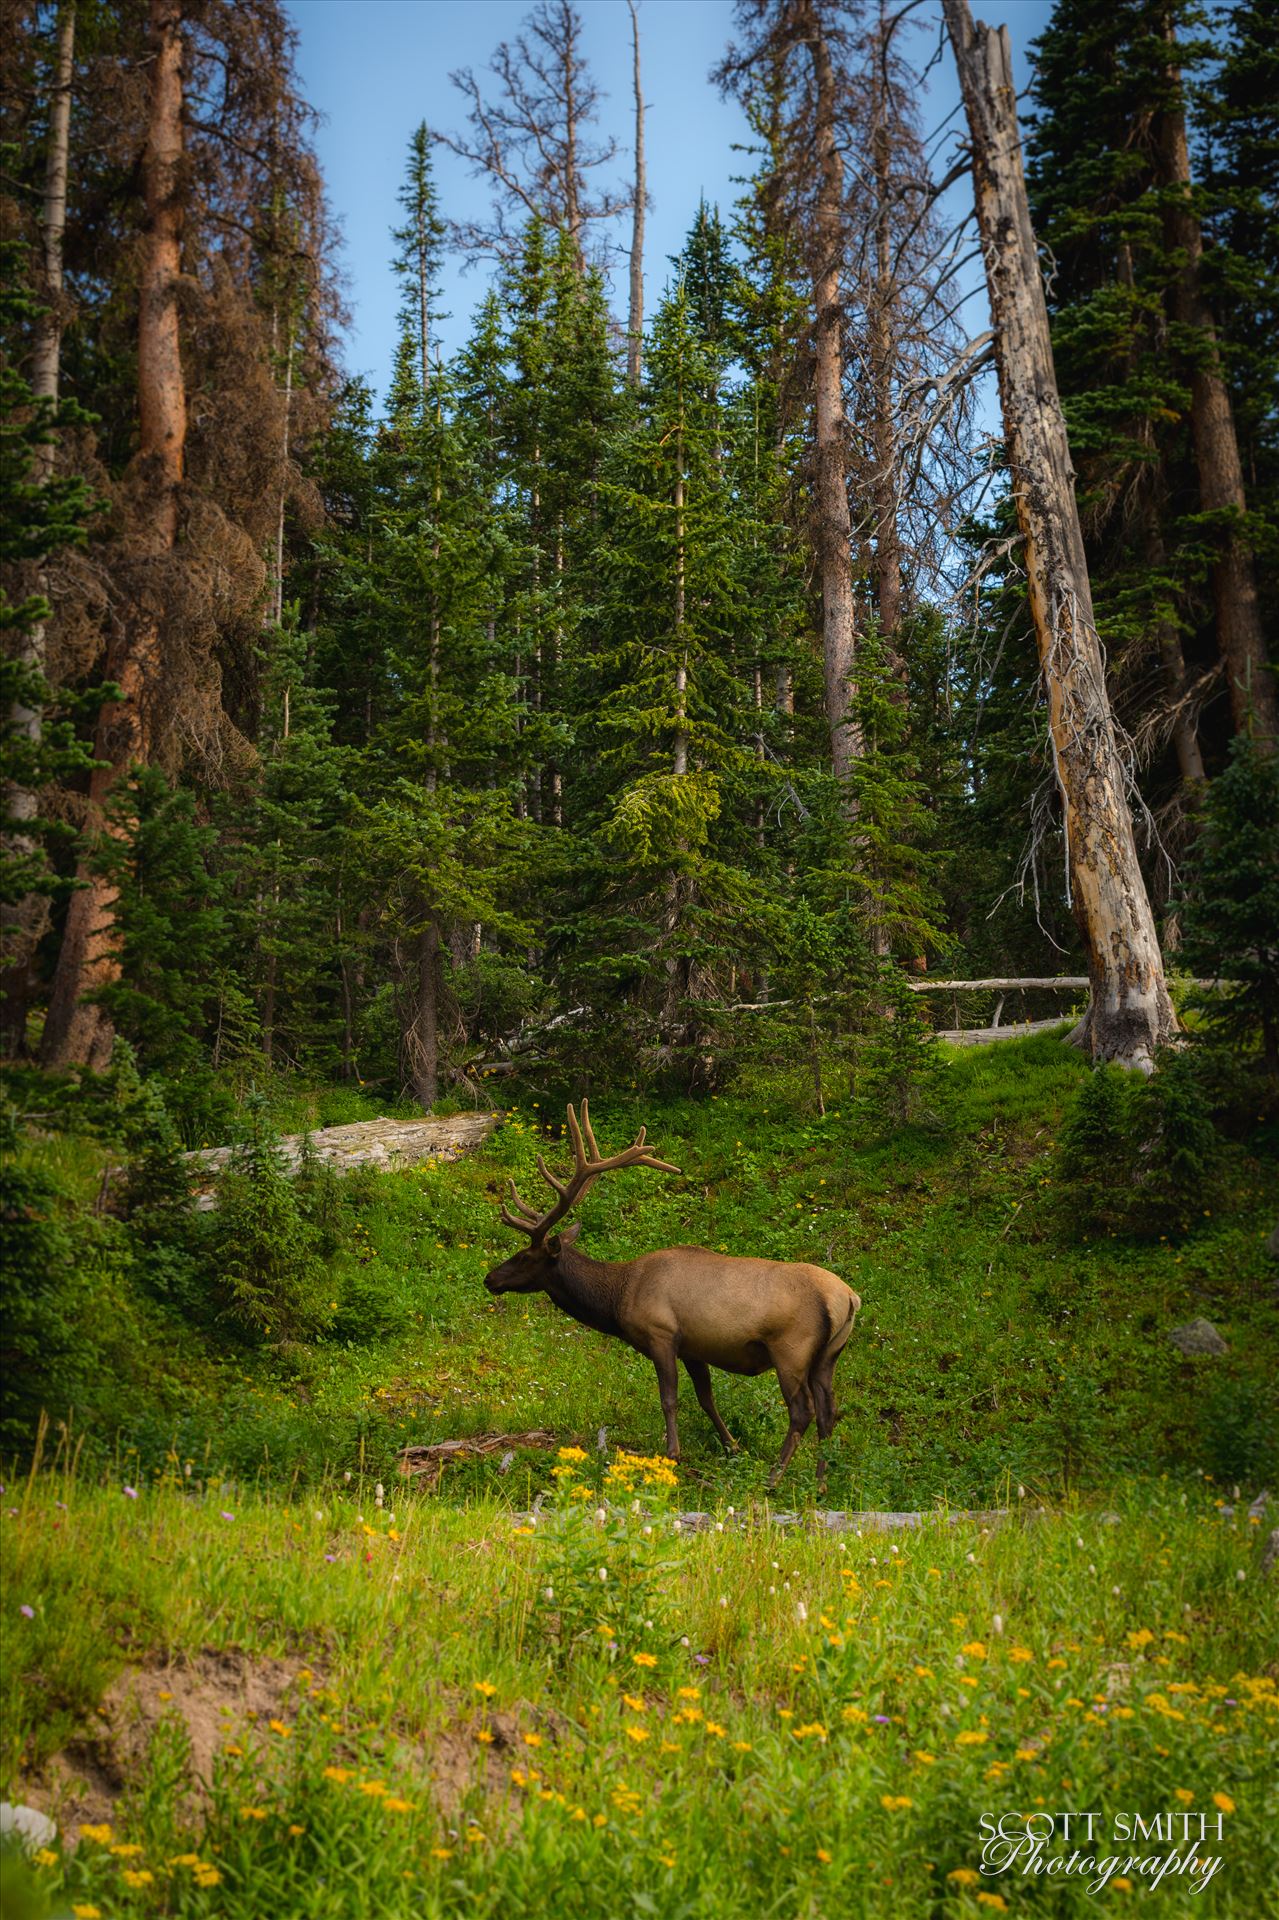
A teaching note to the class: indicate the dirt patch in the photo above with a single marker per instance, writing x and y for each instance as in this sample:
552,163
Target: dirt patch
214,1696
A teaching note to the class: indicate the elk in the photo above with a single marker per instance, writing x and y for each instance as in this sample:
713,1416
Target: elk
686,1303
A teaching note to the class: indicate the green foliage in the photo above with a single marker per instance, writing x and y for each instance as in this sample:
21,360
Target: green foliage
1230,915
268,1263
902,1079
1141,1157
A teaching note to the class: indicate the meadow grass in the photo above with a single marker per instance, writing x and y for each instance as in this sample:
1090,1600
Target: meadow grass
463,1716
593,1714
991,1348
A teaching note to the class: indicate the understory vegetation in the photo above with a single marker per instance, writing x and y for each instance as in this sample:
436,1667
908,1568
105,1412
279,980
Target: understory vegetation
1017,1295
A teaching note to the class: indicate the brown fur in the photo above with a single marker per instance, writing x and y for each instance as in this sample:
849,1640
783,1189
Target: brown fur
690,1305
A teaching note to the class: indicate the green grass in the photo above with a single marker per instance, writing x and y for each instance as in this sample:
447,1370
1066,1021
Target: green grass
990,1350
742,1722
1124,1665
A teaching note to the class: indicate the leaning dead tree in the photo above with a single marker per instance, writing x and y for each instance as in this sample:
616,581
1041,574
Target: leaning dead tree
1130,1014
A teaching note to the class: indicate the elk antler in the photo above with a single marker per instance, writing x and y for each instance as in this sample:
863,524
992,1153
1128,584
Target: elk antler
589,1164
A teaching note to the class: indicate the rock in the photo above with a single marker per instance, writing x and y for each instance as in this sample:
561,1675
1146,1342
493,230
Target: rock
1199,1336
26,1825
1271,1552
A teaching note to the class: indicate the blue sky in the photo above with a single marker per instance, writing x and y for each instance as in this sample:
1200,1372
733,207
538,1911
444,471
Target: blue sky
376,68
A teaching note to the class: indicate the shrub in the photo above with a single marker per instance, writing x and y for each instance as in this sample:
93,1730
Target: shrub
268,1264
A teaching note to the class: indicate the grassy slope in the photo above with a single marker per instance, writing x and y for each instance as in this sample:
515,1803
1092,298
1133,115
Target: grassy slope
989,1350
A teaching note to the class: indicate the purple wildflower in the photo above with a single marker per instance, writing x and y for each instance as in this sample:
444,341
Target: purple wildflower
28,1613
131,1493
228,1516
702,1659
331,1558
881,1719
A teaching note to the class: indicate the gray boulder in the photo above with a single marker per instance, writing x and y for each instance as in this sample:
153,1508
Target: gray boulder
1199,1336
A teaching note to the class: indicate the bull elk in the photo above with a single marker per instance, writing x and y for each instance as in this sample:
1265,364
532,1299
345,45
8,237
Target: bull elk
686,1303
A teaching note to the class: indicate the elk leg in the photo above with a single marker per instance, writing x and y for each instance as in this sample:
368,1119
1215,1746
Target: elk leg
700,1375
799,1399
819,1381
668,1386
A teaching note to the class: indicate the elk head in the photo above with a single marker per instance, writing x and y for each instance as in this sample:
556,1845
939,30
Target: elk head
529,1270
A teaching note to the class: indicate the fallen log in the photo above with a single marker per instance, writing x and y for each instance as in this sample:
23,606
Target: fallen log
429,1462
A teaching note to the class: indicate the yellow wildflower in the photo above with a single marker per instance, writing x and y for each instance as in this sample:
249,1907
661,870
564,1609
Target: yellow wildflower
925,1673
397,1806
138,1877
974,1649
296,1832
644,1659
375,1789
575,1454
1020,1655
129,1851
441,1853
971,1737
689,1693
633,1701
340,1774
1223,1802
964,1877
531,1739
995,1900
1184,1795
895,1802
86,1912
823,1856
45,1857
484,1737
102,1834
485,1687
1123,1883
208,1877
253,1813
278,1726
924,1759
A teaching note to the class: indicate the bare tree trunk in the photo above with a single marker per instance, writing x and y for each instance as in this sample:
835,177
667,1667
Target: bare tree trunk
1253,702
1185,735
22,925
76,1031
426,1025
635,316
1130,1014
833,522
888,561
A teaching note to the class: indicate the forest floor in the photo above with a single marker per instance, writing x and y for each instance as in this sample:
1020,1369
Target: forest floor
247,1685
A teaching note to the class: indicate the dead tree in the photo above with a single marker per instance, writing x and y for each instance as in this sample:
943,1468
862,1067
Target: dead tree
77,1030
635,311
1130,1014
529,138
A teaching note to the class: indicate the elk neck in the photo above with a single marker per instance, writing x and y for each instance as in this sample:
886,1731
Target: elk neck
589,1290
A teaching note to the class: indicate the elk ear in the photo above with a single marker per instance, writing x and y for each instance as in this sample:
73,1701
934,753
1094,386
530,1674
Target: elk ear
563,1241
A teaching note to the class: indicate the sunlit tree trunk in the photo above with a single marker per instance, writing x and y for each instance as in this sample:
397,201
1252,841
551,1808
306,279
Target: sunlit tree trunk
833,522
1130,1014
635,314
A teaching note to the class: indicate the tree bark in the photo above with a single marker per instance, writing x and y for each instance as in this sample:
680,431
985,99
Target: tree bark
833,527
426,1025
1130,1014
888,564
77,1031
22,925
1254,704
635,315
